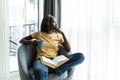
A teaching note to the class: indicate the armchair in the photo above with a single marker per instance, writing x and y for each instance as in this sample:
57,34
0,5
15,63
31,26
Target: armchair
27,55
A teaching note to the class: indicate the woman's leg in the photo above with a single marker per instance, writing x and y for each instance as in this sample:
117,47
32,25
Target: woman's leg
75,59
40,70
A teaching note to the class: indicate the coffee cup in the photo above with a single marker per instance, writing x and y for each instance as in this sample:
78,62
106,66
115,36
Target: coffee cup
40,44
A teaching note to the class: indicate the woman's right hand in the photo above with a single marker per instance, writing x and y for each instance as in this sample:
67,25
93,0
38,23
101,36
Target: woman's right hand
34,42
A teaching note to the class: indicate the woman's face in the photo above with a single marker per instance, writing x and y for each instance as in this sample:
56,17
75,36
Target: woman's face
53,24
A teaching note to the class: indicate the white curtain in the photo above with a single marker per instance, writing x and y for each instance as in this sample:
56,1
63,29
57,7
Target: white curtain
93,28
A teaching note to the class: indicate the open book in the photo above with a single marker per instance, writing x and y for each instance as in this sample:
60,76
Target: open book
54,63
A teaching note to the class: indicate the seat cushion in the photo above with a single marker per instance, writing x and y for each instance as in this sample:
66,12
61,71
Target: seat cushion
51,76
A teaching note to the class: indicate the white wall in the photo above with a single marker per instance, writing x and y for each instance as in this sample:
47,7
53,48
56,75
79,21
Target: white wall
2,42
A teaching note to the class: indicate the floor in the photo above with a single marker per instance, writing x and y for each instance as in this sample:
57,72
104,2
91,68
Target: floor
13,63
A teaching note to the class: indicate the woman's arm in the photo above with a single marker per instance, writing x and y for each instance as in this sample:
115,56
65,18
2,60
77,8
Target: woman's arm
28,40
66,44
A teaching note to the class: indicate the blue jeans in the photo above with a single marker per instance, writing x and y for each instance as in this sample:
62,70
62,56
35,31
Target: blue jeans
41,71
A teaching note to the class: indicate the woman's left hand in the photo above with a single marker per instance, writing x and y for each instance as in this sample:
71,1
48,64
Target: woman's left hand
59,30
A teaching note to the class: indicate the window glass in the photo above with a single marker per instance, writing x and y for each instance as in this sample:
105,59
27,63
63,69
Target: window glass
23,20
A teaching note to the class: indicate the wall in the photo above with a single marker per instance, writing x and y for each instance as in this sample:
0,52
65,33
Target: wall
2,45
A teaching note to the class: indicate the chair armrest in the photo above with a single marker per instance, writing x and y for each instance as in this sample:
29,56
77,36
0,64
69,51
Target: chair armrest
62,51
23,68
25,58
70,72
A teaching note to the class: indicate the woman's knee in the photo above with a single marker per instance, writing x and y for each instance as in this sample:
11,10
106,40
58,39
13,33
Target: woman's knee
80,56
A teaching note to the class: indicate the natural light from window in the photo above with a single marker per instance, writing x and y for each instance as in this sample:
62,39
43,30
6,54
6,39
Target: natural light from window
93,28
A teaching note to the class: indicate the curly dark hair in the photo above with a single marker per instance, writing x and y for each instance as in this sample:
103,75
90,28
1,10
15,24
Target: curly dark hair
46,23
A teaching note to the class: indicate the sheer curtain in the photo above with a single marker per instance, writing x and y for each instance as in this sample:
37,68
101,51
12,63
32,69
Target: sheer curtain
93,28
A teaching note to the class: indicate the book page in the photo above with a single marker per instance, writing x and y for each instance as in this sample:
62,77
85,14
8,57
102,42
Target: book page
48,60
60,58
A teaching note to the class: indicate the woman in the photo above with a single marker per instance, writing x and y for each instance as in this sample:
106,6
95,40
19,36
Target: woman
52,37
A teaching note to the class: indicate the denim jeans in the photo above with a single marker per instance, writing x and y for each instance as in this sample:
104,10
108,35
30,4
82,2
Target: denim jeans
41,71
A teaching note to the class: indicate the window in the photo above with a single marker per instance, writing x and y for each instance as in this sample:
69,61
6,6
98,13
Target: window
23,20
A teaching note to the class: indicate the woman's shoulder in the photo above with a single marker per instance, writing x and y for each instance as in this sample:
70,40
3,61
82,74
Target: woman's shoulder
59,34
37,32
